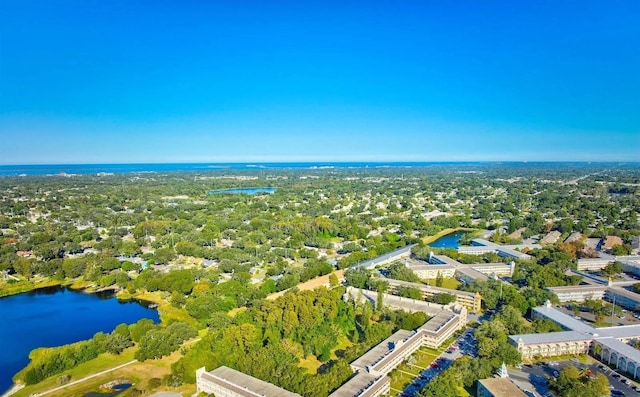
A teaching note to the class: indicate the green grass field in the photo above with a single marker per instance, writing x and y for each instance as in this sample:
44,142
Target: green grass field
450,283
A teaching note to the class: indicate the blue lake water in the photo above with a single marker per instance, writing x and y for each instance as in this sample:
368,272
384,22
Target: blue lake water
249,190
448,241
56,316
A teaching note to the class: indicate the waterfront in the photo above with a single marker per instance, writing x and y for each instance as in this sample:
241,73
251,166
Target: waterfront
56,316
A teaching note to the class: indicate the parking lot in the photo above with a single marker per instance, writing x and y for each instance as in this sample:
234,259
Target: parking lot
536,376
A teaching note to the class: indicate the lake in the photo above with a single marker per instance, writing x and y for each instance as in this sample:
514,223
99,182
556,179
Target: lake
248,190
448,241
57,316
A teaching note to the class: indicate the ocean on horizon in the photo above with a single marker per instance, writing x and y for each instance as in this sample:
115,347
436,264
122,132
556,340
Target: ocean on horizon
87,169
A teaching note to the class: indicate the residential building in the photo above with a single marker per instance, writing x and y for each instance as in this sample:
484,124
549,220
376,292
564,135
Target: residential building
427,271
227,382
498,387
579,293
551,237
390,257
593,264
573,237
608,343
610,242
481,246
471,300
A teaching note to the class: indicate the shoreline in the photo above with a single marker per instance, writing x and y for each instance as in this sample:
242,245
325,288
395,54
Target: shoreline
14,389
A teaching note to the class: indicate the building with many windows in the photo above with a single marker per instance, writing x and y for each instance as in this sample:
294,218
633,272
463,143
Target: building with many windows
609,344
227,382
471,300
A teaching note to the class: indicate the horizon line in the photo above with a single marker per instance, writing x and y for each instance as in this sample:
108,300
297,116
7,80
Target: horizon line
325,161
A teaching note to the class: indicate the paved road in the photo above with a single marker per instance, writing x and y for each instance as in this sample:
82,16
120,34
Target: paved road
75,382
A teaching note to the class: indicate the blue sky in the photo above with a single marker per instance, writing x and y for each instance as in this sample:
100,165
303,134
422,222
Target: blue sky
207,81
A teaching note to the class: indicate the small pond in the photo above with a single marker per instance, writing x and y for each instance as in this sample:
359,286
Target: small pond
448,241
247,190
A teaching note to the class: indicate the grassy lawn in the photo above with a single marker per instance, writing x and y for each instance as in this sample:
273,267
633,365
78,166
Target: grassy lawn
422,358
450,283
399,380
138,373
343,343
18,287
311,364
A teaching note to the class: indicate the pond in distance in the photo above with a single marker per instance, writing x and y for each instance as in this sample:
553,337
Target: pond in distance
57,316
247,190
448,241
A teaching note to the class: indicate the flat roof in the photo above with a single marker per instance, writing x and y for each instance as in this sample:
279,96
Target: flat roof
564,319
431,267
438,321
446,260
383,348
502,387
621,331
244,384
424,287
413,305
355,385
578,288
473,273
551,337
371,263
620,347
626,293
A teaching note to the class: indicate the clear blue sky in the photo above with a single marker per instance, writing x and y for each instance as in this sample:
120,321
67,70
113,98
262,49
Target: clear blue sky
94,81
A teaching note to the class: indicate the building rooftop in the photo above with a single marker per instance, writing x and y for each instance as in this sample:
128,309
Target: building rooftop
502,387
611,241
371,263
443,260
551,237
612,343
622,331
438,321
625,293
551,337
244,384
412,305
427,267
424,287
490,265
472,273
383,348
355,385
578,288
564,320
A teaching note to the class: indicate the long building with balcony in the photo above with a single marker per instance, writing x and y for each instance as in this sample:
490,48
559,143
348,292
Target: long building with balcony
471,300
481,246
609,344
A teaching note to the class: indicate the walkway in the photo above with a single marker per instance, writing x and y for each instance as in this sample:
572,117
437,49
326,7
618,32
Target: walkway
75,382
